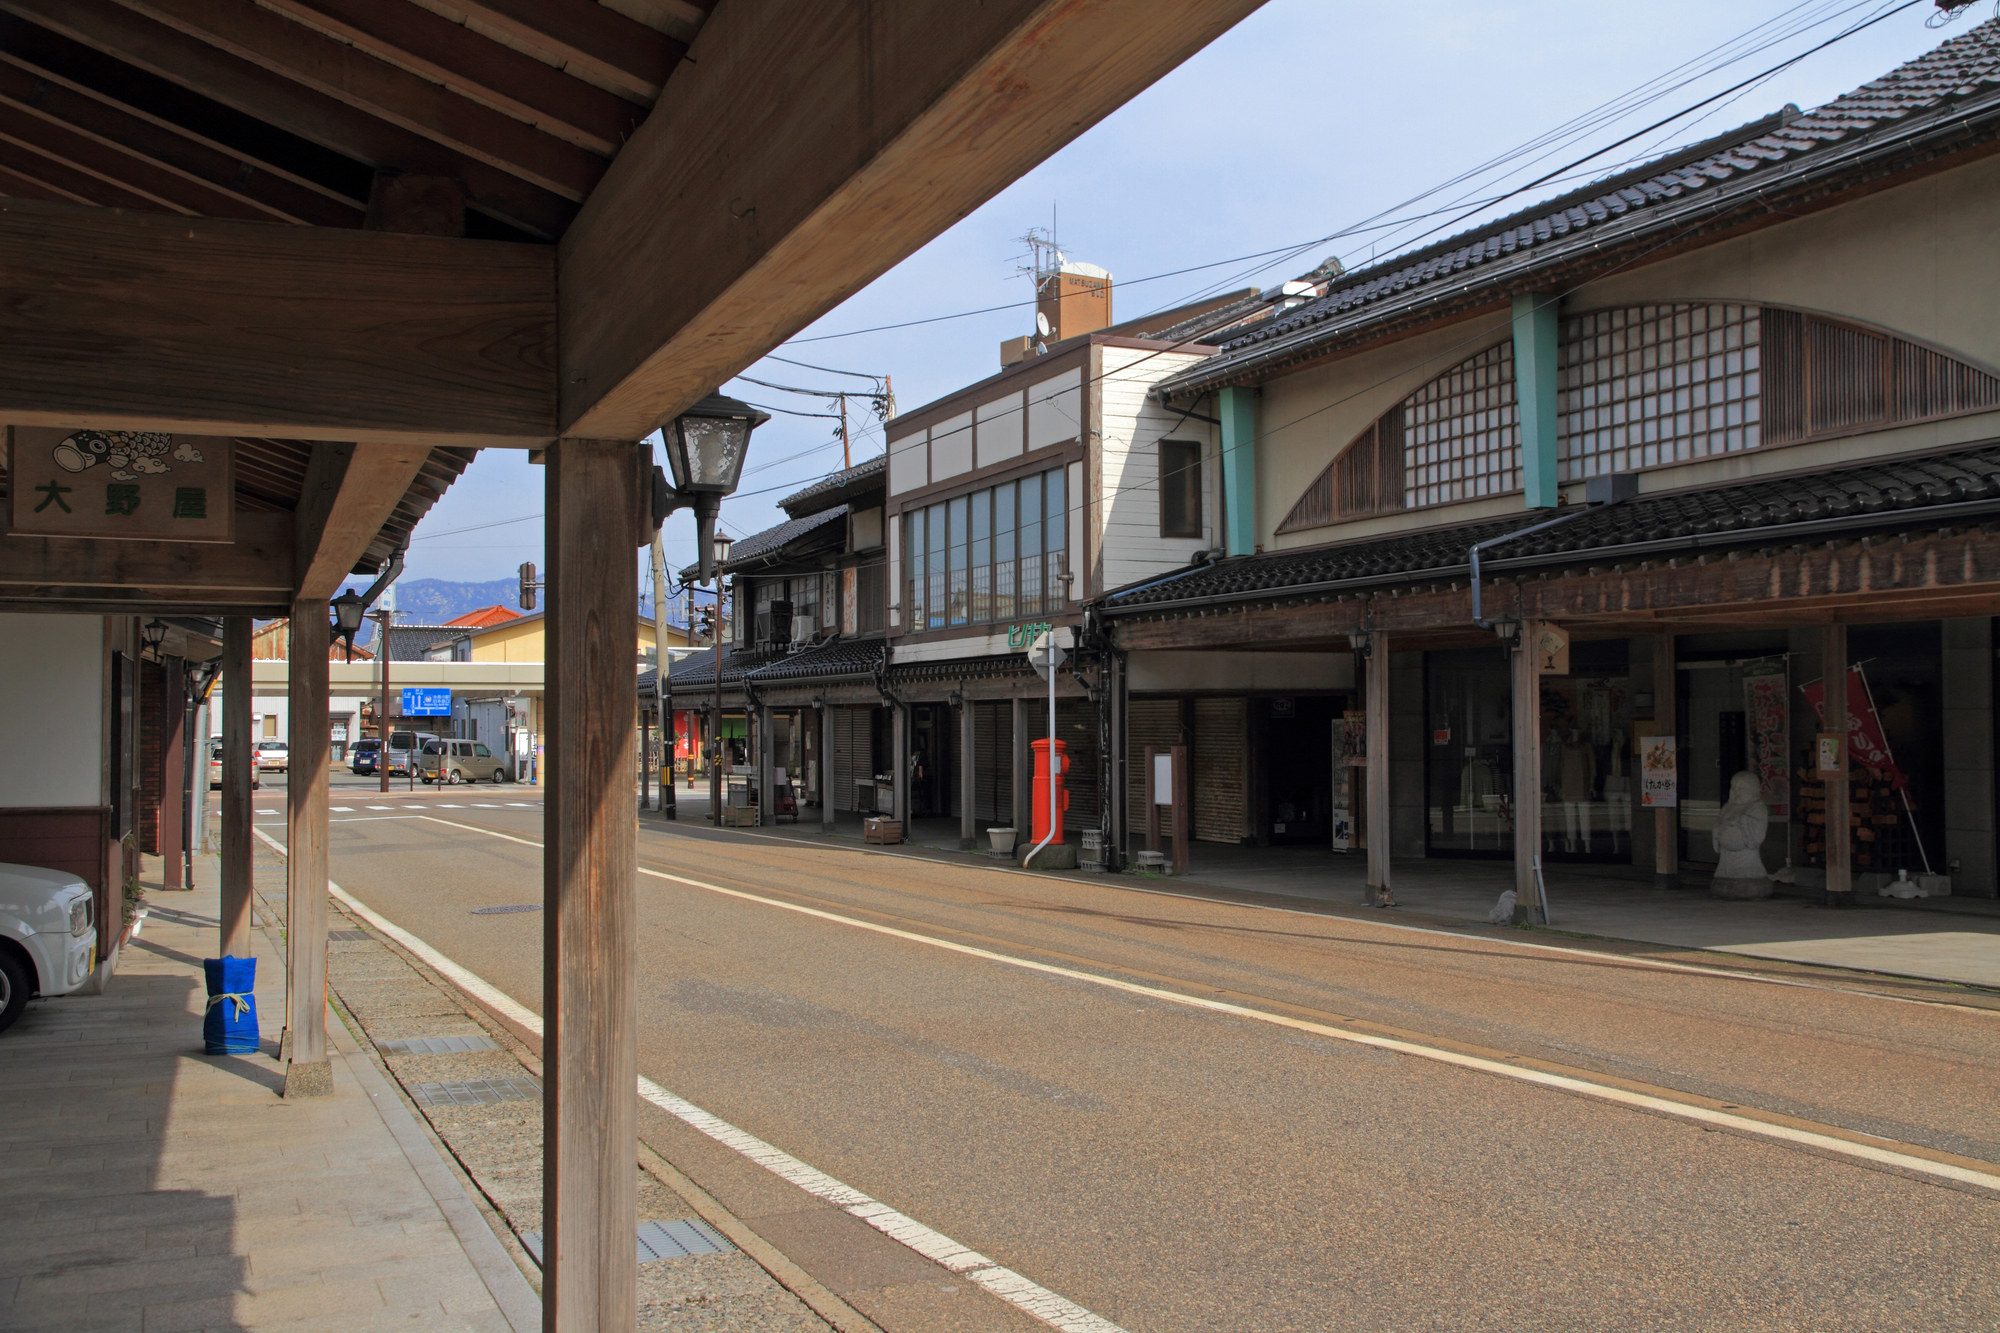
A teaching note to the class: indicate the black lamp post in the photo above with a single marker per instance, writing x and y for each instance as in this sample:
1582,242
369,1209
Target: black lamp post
706,446
348,609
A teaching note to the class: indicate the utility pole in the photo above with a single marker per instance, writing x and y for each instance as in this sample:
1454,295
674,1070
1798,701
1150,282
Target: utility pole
846,454
383,618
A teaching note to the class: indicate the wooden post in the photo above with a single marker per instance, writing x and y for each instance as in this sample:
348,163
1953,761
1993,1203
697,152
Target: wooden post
645,758
968,837
1180,807
899,723
825,769
1667,818
237,775
767,775
1152,805
589,1118
307,1073
1839,840
1381,887
1020,811
1527,773
173,769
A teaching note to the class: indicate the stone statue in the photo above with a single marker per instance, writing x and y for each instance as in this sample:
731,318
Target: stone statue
1739,840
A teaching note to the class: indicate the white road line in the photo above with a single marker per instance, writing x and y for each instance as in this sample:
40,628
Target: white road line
342,809
447,805
1021,1292
381,807
1560,1082
1662,965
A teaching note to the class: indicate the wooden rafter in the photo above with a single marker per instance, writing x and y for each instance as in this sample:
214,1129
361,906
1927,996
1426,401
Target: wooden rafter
588,40
294,108
246,188
74,180
377,88
451,54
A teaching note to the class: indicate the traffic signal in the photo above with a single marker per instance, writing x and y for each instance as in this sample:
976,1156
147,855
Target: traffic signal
528,586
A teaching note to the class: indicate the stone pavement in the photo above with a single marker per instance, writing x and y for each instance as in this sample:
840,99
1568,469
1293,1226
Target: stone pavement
150,1186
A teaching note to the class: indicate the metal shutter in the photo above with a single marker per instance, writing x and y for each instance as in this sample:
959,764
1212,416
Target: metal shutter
850,740
1216,776
1154,722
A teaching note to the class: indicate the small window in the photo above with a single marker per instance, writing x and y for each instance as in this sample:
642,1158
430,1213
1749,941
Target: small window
481,752
462,749
1180,488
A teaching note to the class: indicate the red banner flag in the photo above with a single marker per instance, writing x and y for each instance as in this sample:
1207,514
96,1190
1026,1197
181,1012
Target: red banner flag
1866,745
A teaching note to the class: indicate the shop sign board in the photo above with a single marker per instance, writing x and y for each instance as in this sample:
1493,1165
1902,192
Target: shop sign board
1659,772
125,485
1766,700
1551,647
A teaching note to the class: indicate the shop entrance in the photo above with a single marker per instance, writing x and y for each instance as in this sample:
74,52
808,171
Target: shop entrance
1298,750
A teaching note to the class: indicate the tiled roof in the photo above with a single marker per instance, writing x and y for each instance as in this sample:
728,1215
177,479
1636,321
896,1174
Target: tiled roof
800,503
841,659
1888,494
409,643
1927,94
752,549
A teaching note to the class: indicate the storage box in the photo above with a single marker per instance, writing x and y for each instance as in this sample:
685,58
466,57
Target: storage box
883,831
739,816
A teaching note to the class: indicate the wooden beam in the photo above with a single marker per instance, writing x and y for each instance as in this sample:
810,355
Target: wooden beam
475,66
221,76
308,1071
257,191
73,181
1838,840
258,563
803,151
1527,710
589,996
145,184
360,80
588,39
19,185
1381,885
1666,722
350,491
237,772
138,322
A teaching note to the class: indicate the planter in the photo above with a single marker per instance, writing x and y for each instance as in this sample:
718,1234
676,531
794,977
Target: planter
1003,840
229,1027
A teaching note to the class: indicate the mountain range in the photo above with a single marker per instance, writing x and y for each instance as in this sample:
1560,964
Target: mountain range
437,601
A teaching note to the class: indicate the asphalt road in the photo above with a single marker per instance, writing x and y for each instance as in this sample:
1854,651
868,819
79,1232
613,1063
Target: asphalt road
1175,1169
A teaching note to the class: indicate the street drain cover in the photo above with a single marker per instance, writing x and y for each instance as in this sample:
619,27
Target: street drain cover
476,1092
657,1240
511,907
437,1045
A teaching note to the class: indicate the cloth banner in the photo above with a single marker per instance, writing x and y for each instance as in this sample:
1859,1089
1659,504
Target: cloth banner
682,749
1867,747
1769,715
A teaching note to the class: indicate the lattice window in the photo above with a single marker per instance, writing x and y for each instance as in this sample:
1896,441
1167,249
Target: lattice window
1826,378
1462,433
1650,385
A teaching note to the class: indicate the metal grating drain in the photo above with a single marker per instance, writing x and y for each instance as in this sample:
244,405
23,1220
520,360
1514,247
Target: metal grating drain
657,1240
347,934
437,1045
512,907
476,1092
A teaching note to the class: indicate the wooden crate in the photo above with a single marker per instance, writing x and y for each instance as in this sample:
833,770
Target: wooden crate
883,831
739,816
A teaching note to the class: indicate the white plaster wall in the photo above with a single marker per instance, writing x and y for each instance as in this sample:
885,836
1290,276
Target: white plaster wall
909,462
52,710
951,447
1055,409
1130,427
1917,260
1002,429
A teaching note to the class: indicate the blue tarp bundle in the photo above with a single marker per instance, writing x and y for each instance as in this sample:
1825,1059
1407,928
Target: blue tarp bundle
230,1026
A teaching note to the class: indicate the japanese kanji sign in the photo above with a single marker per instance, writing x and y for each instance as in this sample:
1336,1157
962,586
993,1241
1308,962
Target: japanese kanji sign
130,484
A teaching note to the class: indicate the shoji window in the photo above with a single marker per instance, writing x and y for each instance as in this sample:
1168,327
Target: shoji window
1650,385
1462,433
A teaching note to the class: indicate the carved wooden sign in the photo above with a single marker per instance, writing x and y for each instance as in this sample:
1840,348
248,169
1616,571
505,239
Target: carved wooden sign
122,484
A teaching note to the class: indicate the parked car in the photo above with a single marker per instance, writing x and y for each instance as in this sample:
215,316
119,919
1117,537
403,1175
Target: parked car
364,758
461,761
274,754
401,743
48,942
215,768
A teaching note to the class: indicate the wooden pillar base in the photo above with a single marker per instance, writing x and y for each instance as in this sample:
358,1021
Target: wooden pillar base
311,1078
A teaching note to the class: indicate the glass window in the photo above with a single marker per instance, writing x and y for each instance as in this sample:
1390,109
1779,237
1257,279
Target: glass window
481,752
934,567
1180,488
957,523
913,542
1003,551
990,555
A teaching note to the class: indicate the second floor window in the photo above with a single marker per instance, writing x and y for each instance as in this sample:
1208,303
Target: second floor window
1180,488
994,555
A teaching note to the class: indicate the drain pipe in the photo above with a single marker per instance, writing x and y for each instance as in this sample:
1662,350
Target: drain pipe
1472,556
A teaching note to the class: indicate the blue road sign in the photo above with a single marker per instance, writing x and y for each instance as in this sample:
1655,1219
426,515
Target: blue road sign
419,701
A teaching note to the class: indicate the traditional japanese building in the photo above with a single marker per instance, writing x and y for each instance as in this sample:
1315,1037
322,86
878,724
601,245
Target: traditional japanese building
1585,503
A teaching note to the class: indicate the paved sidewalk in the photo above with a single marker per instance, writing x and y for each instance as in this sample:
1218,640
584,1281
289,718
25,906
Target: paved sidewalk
149,1186
1953,939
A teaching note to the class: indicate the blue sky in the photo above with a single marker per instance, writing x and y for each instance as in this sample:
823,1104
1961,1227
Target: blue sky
1307,118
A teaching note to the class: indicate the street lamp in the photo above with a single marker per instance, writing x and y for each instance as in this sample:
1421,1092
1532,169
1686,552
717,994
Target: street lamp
347,612
706,446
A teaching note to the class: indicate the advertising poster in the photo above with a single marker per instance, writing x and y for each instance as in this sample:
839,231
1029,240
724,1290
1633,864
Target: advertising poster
1659,772
1867,747
1764,706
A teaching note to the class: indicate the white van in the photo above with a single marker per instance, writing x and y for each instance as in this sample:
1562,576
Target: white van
48,943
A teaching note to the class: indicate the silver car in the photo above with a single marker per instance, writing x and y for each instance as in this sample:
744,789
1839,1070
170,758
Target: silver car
48,941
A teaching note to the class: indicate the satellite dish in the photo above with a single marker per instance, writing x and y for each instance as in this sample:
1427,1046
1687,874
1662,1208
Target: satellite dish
1042,324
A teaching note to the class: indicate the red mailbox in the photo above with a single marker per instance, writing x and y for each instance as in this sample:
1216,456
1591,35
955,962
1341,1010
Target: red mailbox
1041,796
